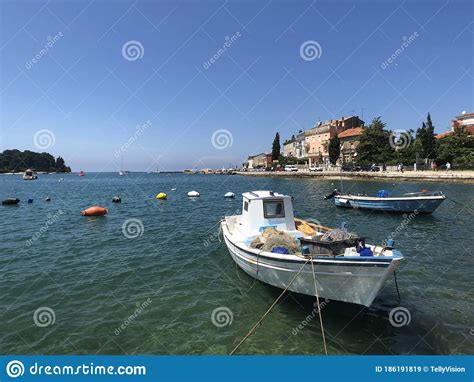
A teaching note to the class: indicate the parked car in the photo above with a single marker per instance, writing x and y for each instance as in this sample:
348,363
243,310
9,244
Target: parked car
349,167
315,169
291,167
370,168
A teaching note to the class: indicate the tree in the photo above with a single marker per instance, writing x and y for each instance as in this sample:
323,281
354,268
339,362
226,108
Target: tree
374,146
430,139
334,149
406,154
458,149
426,140
16,161
276,147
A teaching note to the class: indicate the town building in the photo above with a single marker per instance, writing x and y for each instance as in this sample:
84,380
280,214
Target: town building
465,122
295,146
317,139
261,160
350,140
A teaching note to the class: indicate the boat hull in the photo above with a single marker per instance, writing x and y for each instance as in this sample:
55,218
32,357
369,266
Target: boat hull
420,205
355,281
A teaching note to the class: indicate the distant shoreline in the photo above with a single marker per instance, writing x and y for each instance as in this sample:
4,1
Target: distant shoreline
429,176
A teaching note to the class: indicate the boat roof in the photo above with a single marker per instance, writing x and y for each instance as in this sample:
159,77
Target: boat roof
262,195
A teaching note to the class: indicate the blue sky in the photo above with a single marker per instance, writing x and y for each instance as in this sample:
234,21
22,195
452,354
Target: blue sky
89,92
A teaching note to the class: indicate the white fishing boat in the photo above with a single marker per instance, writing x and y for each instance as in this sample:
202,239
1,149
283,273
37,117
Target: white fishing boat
29,175
345,268
422,202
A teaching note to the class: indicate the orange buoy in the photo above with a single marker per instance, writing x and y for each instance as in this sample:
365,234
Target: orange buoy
94,211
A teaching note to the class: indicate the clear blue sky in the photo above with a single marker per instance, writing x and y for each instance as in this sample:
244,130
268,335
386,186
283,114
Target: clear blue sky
91,98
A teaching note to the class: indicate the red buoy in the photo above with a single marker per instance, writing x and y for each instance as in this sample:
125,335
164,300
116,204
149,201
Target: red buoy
94,211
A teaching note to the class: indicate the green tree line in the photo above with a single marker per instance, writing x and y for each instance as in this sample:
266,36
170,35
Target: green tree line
17,161
380,146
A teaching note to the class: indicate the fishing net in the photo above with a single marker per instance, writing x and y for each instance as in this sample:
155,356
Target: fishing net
271,238
338,235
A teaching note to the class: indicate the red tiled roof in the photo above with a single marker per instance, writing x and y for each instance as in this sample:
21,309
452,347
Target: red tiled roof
351,132
468,129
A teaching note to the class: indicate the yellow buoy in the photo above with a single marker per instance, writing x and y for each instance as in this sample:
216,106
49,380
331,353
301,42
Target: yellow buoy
161,196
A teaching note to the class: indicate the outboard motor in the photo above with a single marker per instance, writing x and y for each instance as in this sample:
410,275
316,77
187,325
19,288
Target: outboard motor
332,194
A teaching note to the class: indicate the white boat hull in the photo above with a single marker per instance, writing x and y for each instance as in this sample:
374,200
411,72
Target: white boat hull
357,280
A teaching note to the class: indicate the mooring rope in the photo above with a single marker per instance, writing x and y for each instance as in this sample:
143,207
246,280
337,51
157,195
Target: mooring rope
319,308
251,331
396,285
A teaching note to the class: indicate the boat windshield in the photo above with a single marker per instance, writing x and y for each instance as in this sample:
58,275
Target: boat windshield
273,209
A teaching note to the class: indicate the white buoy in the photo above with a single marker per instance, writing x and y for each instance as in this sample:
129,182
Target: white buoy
193,194
229,195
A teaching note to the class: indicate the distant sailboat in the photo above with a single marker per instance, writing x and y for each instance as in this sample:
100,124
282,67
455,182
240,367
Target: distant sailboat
122,172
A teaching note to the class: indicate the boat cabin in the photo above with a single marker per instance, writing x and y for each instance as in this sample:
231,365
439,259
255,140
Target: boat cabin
264,209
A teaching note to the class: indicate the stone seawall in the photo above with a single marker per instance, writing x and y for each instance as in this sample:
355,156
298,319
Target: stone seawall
432,176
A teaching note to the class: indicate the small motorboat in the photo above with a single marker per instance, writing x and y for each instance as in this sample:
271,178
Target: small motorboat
10,201
268,243
193,194
29,175
420,202
116,199
229,195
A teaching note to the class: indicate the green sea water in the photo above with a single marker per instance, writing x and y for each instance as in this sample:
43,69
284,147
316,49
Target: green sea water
151,277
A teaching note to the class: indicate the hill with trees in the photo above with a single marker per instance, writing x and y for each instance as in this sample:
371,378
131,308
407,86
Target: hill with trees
18,161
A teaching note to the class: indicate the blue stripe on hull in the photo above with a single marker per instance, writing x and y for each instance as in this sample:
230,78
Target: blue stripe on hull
424,206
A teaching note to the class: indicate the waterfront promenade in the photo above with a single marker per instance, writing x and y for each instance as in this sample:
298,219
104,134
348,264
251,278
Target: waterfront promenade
432,176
